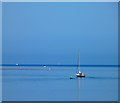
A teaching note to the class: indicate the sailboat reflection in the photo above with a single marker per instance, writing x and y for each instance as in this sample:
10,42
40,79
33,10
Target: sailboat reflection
80,86
79,89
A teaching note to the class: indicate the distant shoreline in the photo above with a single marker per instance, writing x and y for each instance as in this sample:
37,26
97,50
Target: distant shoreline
68,65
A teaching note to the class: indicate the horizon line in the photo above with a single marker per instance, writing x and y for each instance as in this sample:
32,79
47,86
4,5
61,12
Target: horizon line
74,65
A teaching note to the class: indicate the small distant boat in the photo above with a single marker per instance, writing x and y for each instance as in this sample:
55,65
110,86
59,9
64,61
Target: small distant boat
80,74
17,64
44,65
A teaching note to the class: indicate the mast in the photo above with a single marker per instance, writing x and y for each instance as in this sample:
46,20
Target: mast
79,61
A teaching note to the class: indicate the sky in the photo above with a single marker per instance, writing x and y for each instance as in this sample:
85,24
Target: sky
54,33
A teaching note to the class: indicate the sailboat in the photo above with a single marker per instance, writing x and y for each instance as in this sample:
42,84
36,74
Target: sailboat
80,74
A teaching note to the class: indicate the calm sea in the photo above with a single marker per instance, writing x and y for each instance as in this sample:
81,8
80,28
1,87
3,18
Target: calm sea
37,83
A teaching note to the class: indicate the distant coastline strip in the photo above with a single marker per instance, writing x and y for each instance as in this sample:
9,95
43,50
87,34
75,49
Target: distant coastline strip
67,65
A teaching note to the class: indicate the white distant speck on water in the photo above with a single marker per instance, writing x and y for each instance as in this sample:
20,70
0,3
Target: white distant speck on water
17,64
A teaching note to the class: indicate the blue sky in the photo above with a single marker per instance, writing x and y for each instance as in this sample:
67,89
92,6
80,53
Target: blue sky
54,33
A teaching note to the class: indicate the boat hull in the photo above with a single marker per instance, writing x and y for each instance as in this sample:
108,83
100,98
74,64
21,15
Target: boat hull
80,75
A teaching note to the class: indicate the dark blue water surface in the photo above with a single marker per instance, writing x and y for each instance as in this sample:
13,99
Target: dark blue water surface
38,83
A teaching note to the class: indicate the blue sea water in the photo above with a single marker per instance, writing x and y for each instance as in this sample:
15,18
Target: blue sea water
38,83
